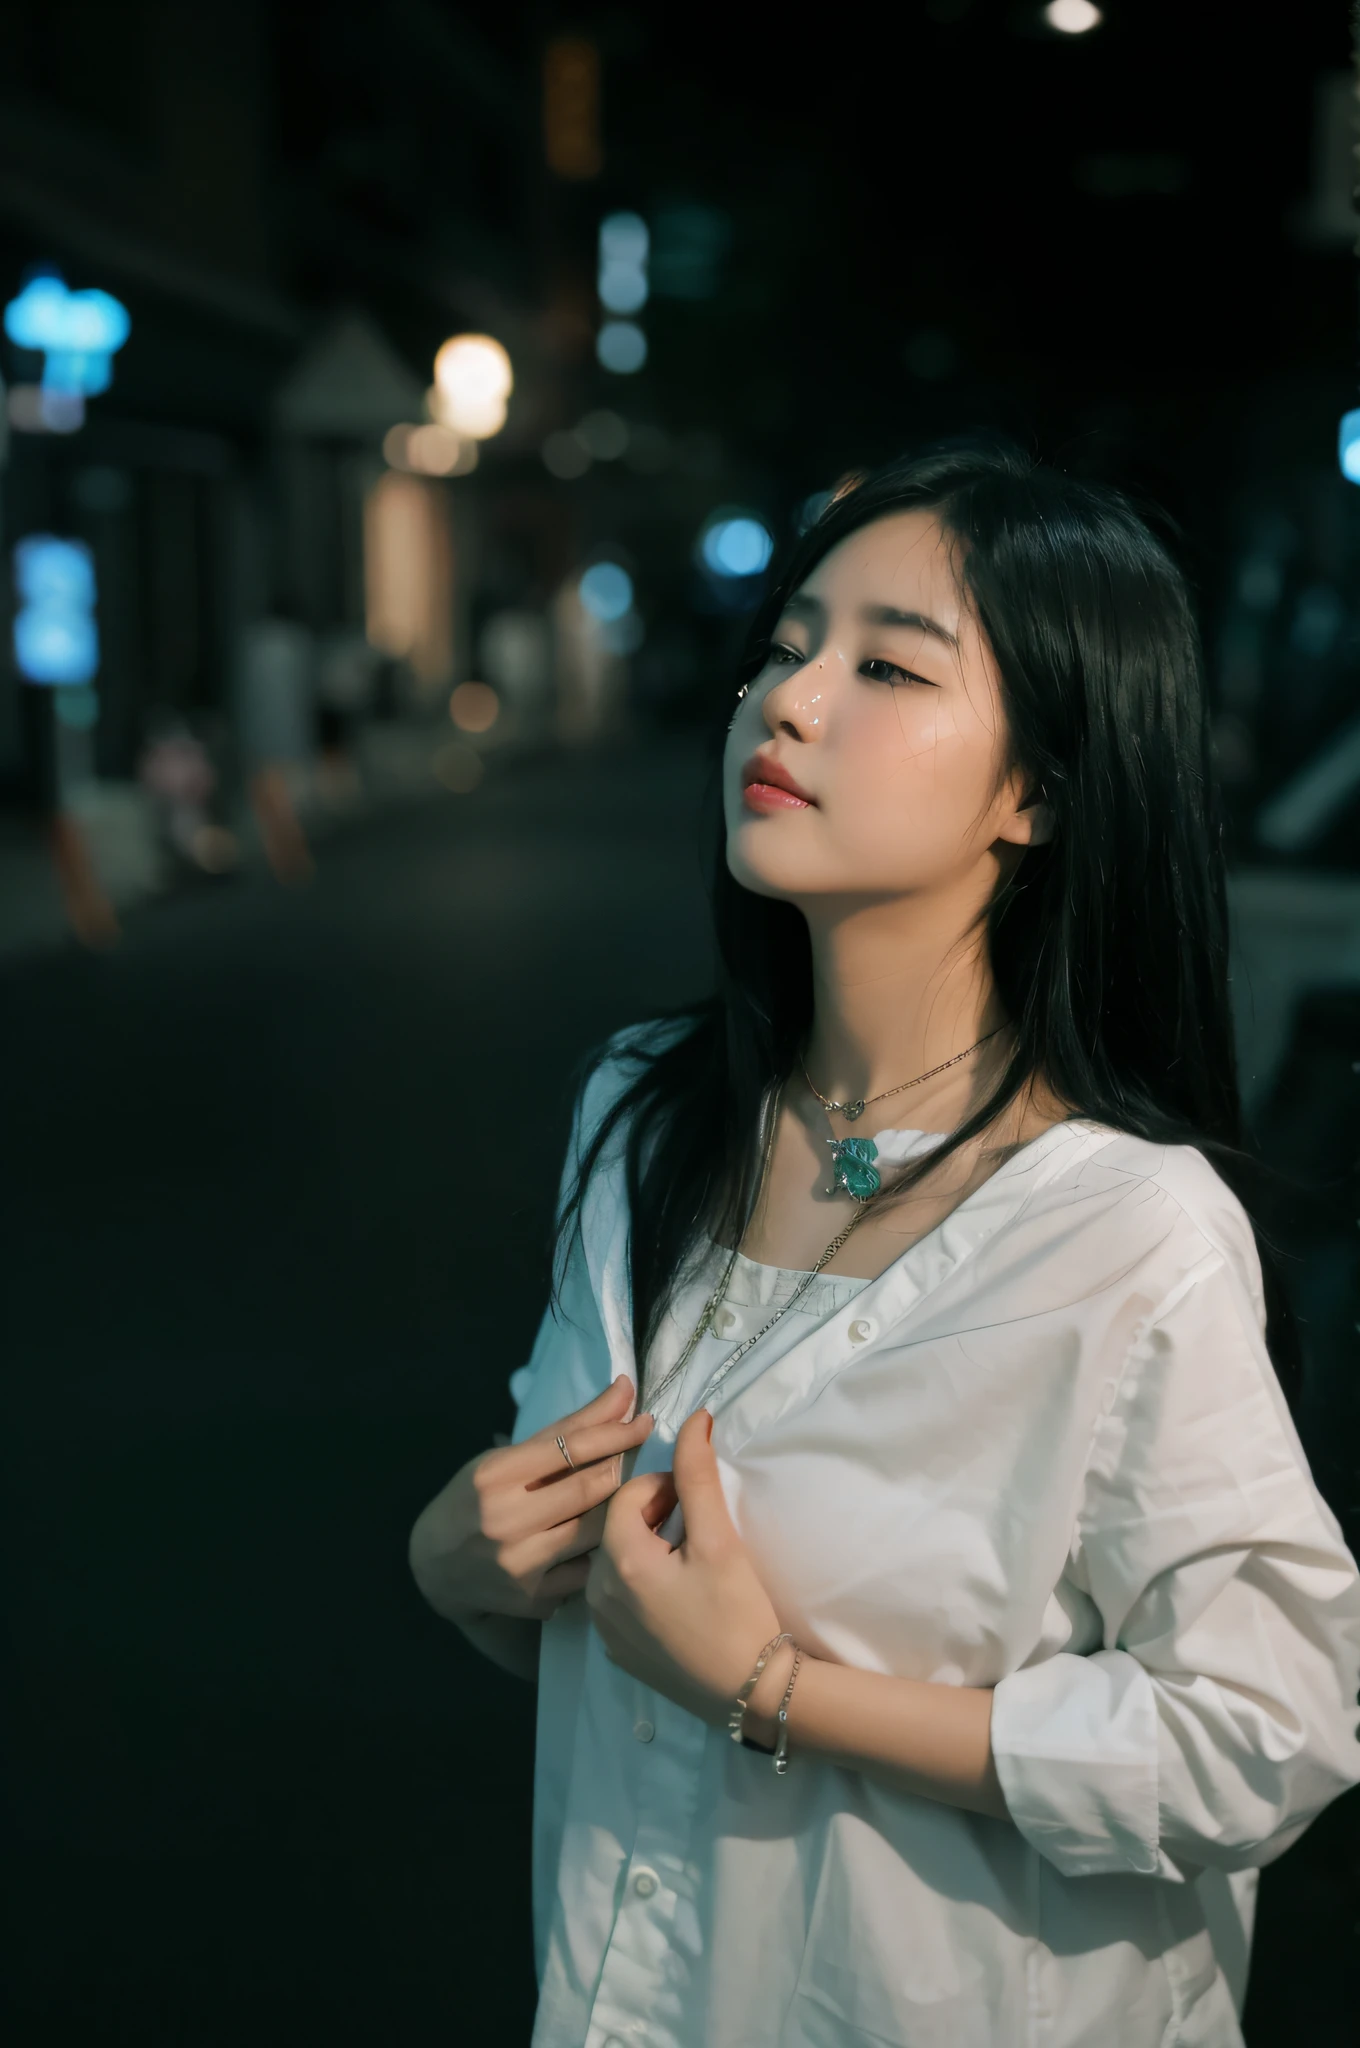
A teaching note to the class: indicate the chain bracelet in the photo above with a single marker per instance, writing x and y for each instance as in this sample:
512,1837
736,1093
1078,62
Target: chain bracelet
738,1713
781,1750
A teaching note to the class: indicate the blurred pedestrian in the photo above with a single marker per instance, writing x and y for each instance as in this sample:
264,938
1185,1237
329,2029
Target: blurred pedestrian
347,679
177,770
276,693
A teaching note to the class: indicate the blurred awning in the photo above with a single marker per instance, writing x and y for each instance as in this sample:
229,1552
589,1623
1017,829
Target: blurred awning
349,385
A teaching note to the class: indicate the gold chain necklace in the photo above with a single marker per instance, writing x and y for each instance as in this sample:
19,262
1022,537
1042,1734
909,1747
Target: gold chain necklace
851,1110
852,1159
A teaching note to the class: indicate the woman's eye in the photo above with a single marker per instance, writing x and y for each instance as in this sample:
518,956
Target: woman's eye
888,672
785,655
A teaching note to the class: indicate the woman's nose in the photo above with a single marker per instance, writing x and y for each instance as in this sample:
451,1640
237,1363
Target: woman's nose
799,703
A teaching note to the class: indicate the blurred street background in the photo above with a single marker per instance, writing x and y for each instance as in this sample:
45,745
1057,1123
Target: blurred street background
400,407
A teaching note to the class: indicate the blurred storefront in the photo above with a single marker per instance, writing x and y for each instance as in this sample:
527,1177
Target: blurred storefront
273,576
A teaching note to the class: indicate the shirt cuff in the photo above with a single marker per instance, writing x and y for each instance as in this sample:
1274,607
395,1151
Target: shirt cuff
1074,1740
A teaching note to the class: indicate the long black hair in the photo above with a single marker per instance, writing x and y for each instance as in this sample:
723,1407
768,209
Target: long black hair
1108,943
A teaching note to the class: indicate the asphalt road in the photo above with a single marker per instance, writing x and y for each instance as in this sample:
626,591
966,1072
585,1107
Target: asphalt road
279,1173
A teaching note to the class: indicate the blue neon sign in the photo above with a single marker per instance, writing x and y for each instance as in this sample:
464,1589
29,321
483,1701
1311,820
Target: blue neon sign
77,333
56,640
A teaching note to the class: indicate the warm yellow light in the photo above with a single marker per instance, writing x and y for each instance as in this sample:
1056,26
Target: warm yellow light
571,107
473,380
409,577
396,443
433,451
474,707
487,416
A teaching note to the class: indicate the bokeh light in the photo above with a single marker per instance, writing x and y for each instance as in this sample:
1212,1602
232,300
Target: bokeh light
473,379
1072,17
622,277
433,450
395,443
812,508
606,591
621,347
603,434
474,707
77,333
429,449
565,455
735,544
55,637
1348,446
34,409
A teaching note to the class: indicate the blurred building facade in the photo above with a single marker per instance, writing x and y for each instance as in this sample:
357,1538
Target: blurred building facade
295,214
298,206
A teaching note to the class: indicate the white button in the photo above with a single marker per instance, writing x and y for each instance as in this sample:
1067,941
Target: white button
725,1321
645,1883
862,1329
643,1730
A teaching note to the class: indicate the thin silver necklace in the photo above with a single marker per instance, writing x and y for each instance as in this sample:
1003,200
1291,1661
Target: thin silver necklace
853,1173
710,1307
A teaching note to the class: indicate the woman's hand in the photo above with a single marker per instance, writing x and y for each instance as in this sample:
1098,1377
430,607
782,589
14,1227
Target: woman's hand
688,1620
512,1531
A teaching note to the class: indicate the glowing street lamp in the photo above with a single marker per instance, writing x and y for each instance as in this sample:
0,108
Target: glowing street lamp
472,382
1072,17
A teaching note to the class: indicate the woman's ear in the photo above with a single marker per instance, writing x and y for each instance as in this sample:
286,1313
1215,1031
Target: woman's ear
1040,820
1031,825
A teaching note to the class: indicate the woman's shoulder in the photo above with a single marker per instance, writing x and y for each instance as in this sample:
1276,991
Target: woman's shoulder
1182,1191
615,1063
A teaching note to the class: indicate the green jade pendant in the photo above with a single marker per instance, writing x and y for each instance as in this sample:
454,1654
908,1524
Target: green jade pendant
853,1168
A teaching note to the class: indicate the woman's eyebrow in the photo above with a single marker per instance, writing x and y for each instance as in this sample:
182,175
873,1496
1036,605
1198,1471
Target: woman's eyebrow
889,615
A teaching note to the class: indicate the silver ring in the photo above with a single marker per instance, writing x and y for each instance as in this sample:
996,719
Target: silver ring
565,1452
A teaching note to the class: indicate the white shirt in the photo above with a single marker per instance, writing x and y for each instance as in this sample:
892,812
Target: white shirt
1044,1452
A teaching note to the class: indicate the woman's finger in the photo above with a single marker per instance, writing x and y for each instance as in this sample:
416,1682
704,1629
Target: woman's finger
511,1512
538,1460
541,1551
558,1584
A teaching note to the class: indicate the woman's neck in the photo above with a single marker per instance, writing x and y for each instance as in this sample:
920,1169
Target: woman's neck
895,994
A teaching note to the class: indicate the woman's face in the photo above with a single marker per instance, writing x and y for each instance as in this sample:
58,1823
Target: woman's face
880,701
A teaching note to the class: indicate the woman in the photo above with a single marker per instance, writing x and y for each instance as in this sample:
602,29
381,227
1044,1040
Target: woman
1003,1567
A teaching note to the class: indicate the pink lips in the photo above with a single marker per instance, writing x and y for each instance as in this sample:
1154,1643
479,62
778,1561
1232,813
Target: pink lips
766,796
768,786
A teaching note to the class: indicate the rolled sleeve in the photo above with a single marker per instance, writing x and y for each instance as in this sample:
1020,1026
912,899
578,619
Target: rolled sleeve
1219,1716
1075,1745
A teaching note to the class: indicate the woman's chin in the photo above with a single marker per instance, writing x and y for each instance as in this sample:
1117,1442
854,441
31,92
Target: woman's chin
766,877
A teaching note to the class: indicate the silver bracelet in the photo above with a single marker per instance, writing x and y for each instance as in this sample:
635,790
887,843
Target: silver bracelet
781,1754
738,1713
